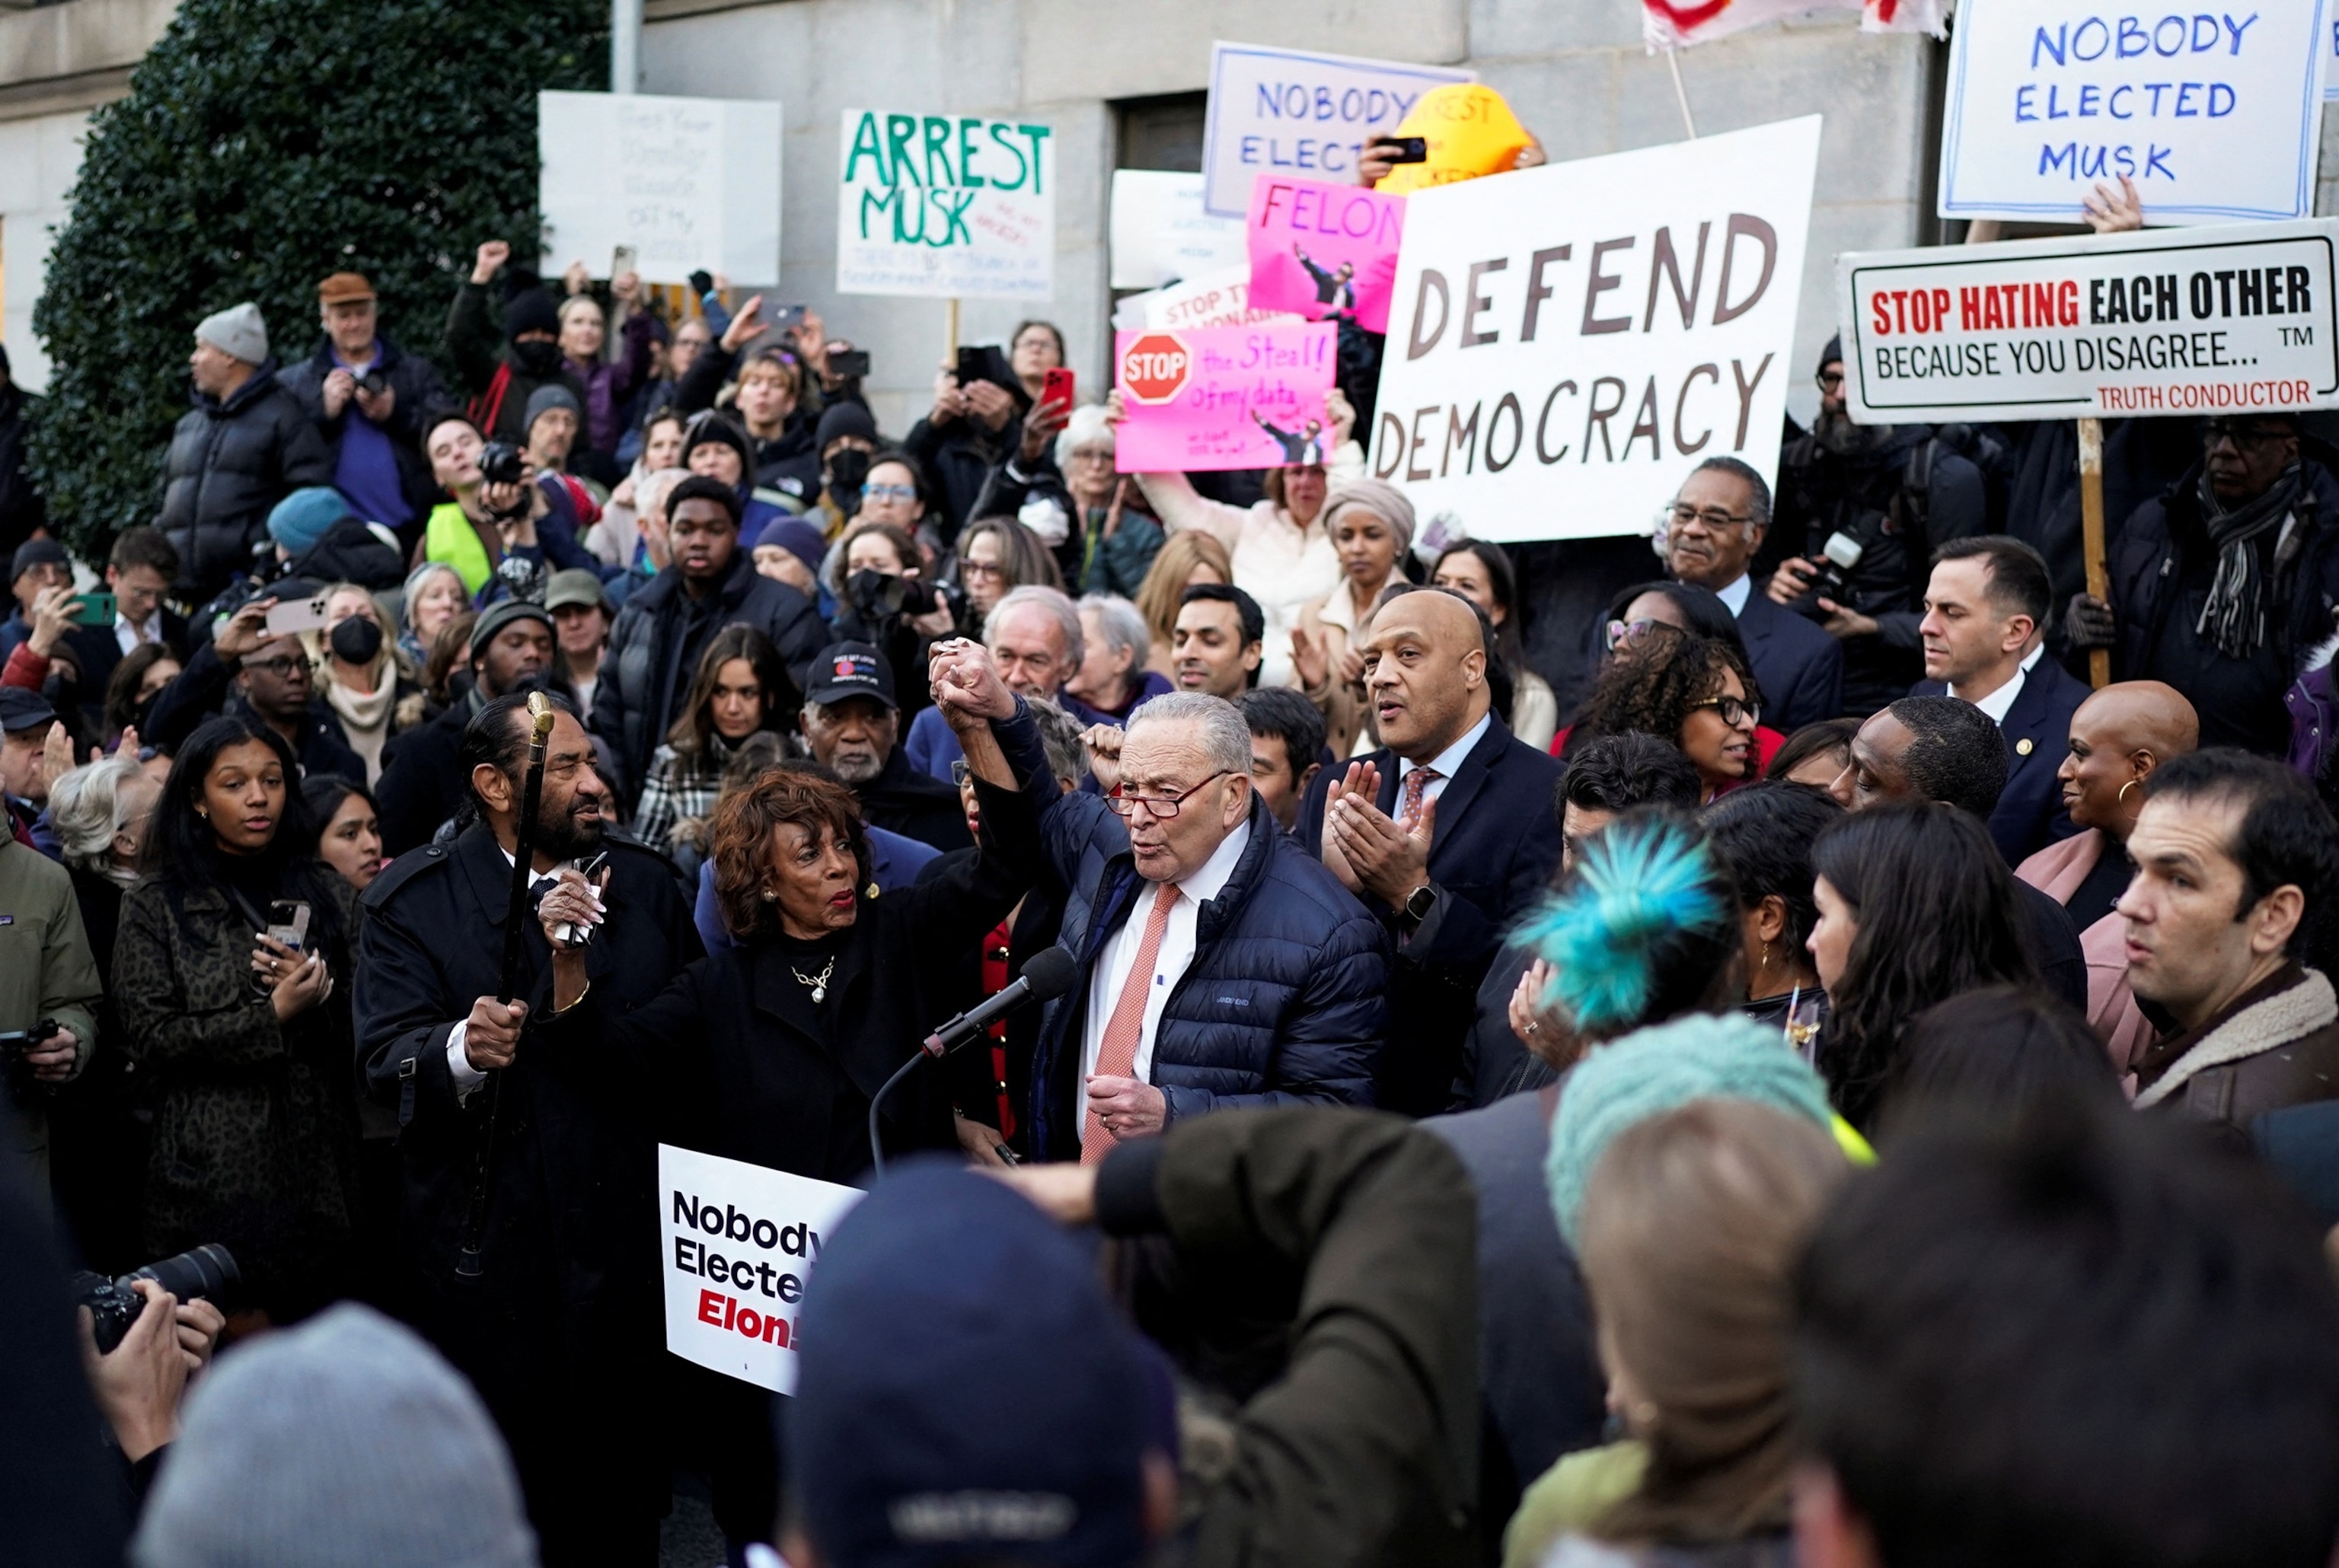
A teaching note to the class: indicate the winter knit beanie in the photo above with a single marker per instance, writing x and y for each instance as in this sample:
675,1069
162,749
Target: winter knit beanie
797,537
530,310
1653,1071
344,1442
550,396
300,518
237,330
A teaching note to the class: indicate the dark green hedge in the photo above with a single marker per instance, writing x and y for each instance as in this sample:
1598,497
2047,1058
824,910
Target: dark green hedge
265,143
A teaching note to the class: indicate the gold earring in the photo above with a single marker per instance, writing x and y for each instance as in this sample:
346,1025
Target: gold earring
2124,789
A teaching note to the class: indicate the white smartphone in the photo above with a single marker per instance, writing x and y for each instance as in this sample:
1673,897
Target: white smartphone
297,616
626,261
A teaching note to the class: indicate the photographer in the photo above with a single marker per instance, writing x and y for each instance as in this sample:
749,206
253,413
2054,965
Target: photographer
369,399
227,970
503,509
881,596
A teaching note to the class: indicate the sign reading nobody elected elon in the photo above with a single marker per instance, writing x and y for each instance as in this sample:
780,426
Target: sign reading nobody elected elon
1566,343
739,1242
2165,321
946,206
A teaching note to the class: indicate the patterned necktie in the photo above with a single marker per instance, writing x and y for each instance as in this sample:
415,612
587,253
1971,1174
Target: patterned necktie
1117,1054
1417,783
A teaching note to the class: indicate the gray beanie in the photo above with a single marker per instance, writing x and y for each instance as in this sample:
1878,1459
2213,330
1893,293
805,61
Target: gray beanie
344,1442
237,330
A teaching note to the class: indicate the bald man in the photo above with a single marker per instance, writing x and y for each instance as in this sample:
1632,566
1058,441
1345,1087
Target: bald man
2119,736
1448,833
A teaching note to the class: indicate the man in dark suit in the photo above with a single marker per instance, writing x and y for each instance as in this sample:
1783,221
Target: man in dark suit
1984,631
1716,524
1447,834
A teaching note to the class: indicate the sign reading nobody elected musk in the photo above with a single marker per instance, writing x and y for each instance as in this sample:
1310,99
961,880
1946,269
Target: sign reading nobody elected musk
944,206
2167,322
740,1242
1299,114
1566,343
2214,111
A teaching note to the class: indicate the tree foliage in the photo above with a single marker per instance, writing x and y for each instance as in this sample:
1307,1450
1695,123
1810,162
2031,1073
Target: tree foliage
265,143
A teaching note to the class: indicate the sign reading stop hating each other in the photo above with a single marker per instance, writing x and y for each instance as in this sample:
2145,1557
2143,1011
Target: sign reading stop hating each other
1224,397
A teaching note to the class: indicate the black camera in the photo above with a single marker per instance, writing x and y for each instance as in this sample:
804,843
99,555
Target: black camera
1837,563
881,595
208,1271
14,1044
373,383
501,463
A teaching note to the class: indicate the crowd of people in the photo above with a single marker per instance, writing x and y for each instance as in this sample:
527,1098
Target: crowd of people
1804,1077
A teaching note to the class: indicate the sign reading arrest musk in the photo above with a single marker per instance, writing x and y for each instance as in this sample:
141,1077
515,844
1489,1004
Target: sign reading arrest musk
1566,343
739,1243
2164,321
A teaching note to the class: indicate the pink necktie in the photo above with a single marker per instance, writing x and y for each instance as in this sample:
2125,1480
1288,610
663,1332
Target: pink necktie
1117,1054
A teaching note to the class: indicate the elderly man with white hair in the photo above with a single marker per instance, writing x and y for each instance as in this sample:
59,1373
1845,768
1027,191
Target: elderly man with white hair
1114,679
1035,638
1220,964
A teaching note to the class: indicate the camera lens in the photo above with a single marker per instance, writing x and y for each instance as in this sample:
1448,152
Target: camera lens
208,1271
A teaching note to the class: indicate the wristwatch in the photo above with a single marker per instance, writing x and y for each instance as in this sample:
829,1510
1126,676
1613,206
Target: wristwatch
1418,903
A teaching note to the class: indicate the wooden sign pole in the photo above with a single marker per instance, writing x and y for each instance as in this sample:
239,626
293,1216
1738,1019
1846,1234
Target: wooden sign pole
2091,535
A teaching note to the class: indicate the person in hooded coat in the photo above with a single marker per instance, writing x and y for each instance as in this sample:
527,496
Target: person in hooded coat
502,370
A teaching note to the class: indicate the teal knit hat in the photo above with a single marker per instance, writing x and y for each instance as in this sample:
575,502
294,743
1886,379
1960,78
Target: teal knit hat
1651,1071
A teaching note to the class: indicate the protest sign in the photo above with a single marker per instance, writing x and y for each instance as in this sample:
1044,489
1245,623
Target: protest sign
1305,115
738,1242
2216,115
2167,322
1219,299
1566,343
1470,131
1321,251
690,184
946,206
1224,397
1161,232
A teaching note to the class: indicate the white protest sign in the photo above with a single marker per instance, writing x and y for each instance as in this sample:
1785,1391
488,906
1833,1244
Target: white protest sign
1161,232
1288,112
690,184
1566,343
2168,321
1219,299
738,1243
946,206
2216,114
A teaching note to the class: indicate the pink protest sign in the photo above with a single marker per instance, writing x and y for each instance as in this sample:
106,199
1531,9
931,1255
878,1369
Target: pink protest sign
1224,397
1324,250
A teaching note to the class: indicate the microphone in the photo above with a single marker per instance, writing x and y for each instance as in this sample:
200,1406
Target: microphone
1048,974
1051,973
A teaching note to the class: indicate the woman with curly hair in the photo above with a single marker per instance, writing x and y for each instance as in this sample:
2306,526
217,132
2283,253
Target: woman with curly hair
1693,691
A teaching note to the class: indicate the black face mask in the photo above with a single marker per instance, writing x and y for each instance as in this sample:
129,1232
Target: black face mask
848,471
536,358
356,640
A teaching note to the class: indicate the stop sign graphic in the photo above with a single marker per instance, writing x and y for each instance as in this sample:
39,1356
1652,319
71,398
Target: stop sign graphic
1156,367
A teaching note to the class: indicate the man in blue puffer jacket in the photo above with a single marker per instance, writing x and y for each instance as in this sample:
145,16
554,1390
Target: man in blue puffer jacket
1221,964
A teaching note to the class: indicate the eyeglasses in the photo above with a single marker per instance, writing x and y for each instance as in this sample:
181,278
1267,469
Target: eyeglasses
959,773
1164,807
1635,632
1734,711
280,667
983,570
902,493
1714,517
1092,454
1830,379
2245,438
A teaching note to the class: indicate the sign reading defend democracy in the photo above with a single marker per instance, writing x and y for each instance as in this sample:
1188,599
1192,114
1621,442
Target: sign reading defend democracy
2167,322
1224,397
1567,342
738,1243
2215,112
946,206
689,184
1321,251
1299,114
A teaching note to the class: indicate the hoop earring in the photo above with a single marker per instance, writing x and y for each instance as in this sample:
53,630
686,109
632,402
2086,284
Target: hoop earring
2122,797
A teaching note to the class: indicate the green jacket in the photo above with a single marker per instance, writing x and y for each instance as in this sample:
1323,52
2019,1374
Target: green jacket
1325,1276
46,967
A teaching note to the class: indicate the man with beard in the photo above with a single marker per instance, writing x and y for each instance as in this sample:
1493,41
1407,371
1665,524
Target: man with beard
421,780
1894,493
559,1329
852,722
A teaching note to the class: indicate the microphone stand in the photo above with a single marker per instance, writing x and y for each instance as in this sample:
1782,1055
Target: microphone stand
515,913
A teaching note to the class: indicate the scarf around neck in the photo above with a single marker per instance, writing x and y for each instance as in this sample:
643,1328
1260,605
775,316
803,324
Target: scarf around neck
2234,615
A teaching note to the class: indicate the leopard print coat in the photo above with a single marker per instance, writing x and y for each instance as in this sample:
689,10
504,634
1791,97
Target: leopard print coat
256,1123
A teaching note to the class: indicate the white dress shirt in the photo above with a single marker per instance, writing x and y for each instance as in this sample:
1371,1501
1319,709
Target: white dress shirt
128,633
1169,965
1445,762
467,1077
1997,703
1736,595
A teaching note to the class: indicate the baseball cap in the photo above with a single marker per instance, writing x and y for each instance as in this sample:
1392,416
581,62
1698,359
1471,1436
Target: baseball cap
22,709
344,289
944,1292
575,585
843,670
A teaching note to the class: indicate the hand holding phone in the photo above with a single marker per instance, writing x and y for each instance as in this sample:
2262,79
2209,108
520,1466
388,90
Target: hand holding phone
1401,149
94,609
1056,389
295,615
